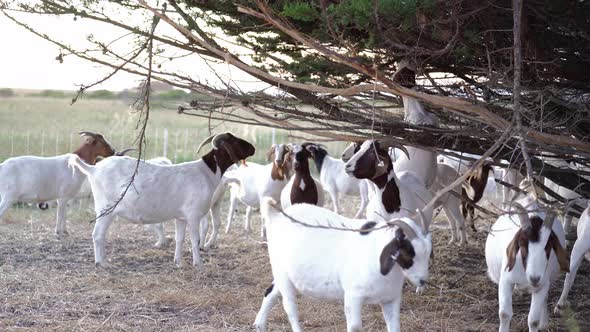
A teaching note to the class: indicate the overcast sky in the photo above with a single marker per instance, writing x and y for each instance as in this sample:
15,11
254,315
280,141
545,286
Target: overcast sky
28,61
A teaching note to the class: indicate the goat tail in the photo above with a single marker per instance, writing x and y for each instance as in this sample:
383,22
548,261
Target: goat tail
75,162
269,208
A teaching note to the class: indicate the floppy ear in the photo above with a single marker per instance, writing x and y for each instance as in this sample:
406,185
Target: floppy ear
512,251
388,256
271,153
562,257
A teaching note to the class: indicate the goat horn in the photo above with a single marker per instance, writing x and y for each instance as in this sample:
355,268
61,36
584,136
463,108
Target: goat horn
123,152
549,218
523,215
206,141
425,223
408,230
218,139
88,133
388,143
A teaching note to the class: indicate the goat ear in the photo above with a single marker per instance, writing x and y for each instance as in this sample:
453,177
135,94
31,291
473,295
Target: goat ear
88,139
386,260
271,152
512,251
562,257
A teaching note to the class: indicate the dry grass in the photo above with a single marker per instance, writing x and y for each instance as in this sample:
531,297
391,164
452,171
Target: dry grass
47,284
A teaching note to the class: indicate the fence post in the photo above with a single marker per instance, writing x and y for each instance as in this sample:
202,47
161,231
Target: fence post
175,146
43,143
185,151
57,144
165,150
155,145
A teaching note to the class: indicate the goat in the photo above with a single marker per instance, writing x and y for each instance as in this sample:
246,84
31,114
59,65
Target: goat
421,162
398,193
41,179
160,192
472,191
450,202
334,264
335,181
525,250
302,187
249,183
581,248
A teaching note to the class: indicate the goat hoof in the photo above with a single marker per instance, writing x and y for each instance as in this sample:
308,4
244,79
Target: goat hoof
199,266
163,244
420,290
101,265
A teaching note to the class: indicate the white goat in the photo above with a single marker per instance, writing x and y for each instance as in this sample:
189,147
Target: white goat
302,187
254,181
581,248
40,179
331,264
451,202
525,250
160,192
336,182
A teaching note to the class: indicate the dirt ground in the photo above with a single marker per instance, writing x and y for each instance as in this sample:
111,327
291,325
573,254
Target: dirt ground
49,284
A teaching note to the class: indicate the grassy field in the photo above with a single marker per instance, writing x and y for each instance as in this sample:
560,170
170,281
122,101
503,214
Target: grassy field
48,284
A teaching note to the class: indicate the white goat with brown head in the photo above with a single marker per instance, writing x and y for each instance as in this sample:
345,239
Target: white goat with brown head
160,192
250,182
524,250
40,179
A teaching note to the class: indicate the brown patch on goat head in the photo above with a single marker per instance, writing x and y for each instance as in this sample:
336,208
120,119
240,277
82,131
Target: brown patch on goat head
560,253
230,149
375,164
309,193
399,250
523,237
405,77
94,146
475,184
279,171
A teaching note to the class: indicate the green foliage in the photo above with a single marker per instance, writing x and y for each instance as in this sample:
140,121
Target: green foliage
49,94
6,92
101,94
302,11
175,94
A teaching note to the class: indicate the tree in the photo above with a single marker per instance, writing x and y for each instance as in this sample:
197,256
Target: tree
340,57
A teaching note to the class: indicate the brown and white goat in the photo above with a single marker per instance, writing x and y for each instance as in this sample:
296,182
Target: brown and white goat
41,179
249,183
524,250
472,191
160,192
302,187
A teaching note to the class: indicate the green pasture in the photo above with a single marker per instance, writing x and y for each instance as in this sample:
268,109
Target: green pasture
47,126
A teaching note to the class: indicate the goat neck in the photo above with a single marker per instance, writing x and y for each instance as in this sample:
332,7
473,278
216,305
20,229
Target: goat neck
88,153
214,159
389,191
304,189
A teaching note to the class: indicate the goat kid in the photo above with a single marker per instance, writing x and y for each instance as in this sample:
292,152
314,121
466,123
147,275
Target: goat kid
40,179
581,248
525,250
358,267
160,192
302,187
335,181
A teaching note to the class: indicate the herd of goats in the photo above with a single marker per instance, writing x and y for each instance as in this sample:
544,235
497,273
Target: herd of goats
315,251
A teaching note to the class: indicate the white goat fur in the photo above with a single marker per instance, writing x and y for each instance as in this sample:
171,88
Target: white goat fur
537,266
335,181
159,193
412,190
335,265
421,162
581,248
451,203
40,179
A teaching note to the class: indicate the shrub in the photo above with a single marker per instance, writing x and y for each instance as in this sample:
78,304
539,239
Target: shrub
101,94
6,92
